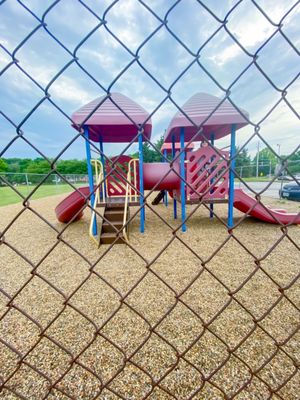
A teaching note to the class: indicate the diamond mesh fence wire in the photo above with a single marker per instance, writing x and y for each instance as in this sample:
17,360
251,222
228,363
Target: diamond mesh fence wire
211,313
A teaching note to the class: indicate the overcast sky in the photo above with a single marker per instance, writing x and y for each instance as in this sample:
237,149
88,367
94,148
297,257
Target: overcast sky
42,57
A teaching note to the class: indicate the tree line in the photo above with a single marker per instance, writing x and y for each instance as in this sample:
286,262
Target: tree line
41,166
66,167
245,165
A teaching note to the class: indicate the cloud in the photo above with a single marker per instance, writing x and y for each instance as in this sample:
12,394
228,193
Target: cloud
68,90
250,28
5,59
104,58
230,52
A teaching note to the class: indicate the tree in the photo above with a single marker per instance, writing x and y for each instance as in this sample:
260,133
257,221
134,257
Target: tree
38,166
23,163
72,167
13,164
294,163
149,153
243,163
3,166
267,161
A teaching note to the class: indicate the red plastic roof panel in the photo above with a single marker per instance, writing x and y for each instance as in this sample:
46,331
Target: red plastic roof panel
198,108
109,122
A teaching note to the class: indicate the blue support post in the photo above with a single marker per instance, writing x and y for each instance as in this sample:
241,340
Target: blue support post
173,155
141,181
182,182
103,166
211,206
231,177
90,173
166,192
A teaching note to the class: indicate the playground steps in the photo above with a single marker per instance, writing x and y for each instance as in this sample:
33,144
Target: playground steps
119,201
113,213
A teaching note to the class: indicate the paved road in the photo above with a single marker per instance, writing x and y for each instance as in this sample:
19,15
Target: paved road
272,190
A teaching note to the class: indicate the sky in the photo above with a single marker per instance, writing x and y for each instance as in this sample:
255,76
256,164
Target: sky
70,29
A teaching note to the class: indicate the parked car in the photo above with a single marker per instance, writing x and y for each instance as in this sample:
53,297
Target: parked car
290,191
285,178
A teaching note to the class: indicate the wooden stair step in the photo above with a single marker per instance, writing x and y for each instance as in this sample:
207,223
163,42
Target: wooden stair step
115,202
113,222
114,214
106,227
110,237
115,206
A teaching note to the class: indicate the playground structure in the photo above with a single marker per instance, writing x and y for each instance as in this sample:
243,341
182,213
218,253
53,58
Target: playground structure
190,176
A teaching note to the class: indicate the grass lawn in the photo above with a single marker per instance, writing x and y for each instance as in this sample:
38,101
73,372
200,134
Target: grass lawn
9,196
253,179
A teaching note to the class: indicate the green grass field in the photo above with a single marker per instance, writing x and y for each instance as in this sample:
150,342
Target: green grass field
9,196
254,179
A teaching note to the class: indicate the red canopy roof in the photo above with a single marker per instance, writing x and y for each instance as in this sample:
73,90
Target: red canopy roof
109,122
198,108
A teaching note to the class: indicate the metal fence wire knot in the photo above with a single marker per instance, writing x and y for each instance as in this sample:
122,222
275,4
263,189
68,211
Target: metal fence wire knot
175,165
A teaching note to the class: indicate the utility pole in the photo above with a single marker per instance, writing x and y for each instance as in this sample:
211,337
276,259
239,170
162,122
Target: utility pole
282,172
257,159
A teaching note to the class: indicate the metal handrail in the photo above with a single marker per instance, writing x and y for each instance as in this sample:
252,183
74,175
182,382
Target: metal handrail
128,193
99,183
99,174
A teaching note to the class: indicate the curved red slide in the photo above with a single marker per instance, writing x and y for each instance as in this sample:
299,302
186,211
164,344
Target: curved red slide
244,203
70,206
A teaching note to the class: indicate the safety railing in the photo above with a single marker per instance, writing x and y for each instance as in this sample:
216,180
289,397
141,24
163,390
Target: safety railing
100,190
131,190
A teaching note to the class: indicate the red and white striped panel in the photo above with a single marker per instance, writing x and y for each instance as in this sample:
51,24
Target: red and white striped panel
206,174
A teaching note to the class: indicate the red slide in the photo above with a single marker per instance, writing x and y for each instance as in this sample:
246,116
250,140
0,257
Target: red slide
243,202
70,206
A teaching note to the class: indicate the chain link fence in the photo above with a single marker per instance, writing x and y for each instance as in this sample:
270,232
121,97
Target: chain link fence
29,179
212,313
